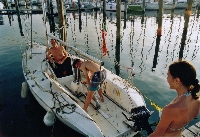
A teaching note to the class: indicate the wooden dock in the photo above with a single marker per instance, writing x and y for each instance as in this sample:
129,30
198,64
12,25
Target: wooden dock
192,131
22,11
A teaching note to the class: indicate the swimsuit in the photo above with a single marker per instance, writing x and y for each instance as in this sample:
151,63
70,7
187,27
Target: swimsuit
97,80
65,66
178,129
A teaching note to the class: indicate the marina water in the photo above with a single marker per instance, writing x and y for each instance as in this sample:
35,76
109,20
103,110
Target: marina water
139,48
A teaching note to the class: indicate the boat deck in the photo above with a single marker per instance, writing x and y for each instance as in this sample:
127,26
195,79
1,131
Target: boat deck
105,119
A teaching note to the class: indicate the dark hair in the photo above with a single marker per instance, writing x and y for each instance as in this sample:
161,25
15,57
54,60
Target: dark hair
186,72
74,63
55,40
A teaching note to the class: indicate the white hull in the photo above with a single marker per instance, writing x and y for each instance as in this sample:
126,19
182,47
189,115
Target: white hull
112,6
108,121
155,6
22,3
181,4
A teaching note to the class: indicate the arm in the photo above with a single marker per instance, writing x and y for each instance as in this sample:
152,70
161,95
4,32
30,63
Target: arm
48,56
85,73
65,54
199,106
166,118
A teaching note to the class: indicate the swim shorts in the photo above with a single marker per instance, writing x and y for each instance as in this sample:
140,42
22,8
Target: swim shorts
65,66
97,80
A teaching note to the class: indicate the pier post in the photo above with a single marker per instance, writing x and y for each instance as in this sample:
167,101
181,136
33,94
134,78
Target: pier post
118,37
60,7
143,5
188,12
198,9
160,13
1,104
118,8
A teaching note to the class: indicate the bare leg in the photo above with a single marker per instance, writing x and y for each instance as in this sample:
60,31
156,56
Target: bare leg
101,95
88,100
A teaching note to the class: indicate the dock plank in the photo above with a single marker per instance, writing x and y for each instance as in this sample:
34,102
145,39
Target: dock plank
194,129
198,124
187,133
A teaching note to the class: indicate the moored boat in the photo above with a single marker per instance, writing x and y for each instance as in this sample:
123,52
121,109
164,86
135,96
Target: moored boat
112,6
122,113
155,5
181,4
135,8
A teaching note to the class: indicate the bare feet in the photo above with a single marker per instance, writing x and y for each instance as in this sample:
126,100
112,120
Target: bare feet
85,110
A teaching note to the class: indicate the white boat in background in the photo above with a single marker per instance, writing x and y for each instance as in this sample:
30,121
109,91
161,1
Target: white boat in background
152,6
181,4
155,5
123,112
195,3
1,5
22,3
169,5
112,6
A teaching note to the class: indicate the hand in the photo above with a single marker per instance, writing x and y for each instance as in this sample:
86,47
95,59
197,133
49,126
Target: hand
51,60
84,82
60,62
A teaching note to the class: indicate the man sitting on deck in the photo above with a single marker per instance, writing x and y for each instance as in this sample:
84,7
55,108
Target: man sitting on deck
58,55
97,77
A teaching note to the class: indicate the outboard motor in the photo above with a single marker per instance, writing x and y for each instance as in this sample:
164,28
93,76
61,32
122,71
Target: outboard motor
140,116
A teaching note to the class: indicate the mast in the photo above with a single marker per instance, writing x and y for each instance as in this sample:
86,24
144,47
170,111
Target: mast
60,7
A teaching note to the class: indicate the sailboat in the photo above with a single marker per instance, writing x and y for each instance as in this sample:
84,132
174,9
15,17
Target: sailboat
123,112
153,5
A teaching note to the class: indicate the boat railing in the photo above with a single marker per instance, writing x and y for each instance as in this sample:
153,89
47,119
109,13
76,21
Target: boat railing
80,52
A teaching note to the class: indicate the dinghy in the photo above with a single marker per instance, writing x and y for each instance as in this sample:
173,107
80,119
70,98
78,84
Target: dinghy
123,112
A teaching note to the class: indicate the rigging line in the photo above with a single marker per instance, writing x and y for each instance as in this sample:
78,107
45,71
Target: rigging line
56,98
59,86
157,107
82,102
44,90
98,110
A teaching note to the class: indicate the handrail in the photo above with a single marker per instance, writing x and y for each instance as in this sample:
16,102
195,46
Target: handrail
101,63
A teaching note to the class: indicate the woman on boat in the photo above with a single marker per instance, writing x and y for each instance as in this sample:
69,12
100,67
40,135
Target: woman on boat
184,107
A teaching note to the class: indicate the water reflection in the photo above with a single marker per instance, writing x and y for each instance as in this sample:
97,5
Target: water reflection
137,46
1,104
156,53
138,36
80,21
159,34
185,28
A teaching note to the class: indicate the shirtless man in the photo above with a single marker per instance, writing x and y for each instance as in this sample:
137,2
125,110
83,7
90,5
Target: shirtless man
60,58
94,82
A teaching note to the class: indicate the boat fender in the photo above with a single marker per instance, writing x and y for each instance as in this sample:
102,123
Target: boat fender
24,90
49,118
74,85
